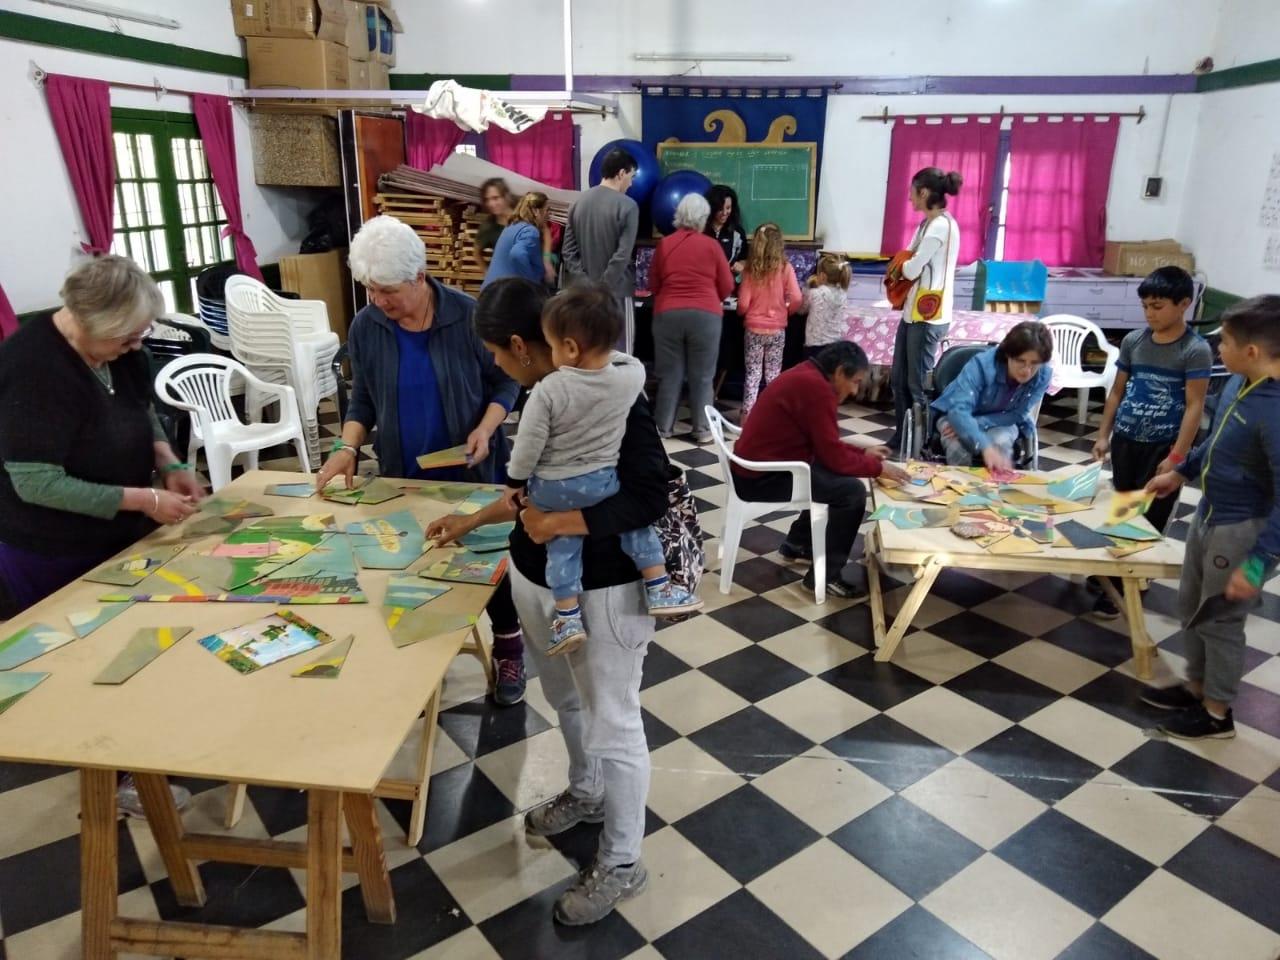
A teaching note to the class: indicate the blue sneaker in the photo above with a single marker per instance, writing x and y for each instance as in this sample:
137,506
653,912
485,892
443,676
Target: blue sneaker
509,682
670,600
567,634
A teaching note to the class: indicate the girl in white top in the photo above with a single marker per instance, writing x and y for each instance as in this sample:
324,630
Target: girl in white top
926,314
824,302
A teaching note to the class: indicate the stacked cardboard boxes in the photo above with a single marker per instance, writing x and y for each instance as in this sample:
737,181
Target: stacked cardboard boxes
1137,258
317,44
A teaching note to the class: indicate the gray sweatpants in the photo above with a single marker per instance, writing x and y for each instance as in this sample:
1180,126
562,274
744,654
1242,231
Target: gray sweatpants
958,455
595,691
686,343
1213,626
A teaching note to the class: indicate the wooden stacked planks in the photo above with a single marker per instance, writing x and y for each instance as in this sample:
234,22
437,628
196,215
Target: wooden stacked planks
448,230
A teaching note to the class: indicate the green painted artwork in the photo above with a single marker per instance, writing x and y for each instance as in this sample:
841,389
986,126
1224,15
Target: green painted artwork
264,642
373,491
328,666
86,621
143,647
131,570
29,643
14,686
391,542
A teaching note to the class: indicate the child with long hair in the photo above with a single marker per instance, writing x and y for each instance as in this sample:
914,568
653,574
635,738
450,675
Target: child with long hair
519,250
824,303
768,294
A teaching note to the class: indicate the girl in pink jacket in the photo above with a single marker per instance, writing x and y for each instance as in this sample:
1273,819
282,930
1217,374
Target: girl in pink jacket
767,295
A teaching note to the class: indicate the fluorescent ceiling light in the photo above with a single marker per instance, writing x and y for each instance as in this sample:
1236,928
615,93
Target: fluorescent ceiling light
116,13
724,57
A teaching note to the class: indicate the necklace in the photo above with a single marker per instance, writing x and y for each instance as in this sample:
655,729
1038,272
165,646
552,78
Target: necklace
103,373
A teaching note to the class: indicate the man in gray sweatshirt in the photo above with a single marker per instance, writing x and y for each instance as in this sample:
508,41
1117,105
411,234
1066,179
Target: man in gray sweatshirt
601,235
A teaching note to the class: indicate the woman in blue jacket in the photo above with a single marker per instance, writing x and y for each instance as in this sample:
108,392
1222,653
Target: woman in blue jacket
422,377
994,397
520,248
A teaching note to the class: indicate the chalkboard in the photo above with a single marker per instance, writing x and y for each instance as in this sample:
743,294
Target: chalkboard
774,181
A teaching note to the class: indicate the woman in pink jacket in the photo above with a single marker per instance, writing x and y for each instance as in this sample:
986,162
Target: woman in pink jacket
767,295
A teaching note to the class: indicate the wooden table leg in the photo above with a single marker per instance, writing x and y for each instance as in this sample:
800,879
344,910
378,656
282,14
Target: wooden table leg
166,827
426,752
475,645
1143,648
924,583
874,591
98,863
371,861
324,875
236,793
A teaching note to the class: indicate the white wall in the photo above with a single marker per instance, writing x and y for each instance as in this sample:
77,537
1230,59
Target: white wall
1238,135
822,37
44,227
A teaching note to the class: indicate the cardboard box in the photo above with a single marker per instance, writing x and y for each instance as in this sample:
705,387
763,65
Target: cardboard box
295,150
379,76
291,19
388,26
296,64
362,29
1139,258
321,276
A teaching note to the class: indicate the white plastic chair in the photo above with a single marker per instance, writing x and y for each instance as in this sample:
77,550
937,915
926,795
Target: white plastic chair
201,385
738,511
284,342
1069,334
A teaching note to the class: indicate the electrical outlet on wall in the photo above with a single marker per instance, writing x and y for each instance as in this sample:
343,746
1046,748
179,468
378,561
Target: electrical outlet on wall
1152,188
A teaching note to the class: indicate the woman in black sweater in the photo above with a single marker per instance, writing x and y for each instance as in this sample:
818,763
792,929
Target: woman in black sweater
595,690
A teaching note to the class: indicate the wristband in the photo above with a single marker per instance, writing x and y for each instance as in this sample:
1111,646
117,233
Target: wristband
1254,570
1176,458
174,467
339,445
155,501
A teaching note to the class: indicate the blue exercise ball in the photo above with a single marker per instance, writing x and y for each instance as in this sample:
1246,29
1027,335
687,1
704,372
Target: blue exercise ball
671,189
646,168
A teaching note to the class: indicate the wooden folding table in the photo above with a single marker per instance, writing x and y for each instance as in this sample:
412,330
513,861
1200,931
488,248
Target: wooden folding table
189,714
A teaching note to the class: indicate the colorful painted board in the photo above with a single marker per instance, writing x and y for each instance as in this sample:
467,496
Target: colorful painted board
371,492
448,492
329,664
413,626
463,566
391,542
491,537
14,686
1080,536
1136,529
913,518
143,647
264,642
1016,542
406,591
131,570
229,509
1082,486
207,526
29,643
86,621
452,457
1128,505
302,491
477,500
1127,548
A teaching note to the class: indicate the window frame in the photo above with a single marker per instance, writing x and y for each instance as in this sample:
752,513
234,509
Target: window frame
165,127
992,248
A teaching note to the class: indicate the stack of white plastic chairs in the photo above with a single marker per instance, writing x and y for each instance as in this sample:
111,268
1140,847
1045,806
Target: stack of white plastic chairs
287,342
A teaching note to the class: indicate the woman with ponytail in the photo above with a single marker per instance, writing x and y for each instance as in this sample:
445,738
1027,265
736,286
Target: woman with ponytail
926,314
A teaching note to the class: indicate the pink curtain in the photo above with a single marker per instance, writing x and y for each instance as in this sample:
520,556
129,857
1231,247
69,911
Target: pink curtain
1058,183
543,152
81,111
967,145
429,141
8,319
213,119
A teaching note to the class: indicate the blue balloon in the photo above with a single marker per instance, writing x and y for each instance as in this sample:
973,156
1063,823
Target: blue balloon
647,172
671,189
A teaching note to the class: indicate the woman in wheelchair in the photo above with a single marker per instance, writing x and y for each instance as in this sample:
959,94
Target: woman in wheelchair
992,401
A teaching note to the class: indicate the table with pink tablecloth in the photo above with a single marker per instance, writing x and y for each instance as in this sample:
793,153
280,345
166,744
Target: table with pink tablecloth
874,328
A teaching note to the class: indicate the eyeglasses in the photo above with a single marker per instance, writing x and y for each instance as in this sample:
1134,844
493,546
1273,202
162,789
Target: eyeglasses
132,339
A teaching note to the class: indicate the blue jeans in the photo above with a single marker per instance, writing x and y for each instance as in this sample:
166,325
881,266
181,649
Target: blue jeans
564,554
915,349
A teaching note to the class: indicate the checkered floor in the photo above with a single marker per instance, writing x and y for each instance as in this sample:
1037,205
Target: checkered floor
994,792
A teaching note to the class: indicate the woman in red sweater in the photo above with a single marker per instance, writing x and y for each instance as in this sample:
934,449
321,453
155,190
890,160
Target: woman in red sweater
689,278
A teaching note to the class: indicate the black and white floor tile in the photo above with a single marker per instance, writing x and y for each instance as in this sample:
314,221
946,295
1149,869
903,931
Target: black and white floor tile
995,791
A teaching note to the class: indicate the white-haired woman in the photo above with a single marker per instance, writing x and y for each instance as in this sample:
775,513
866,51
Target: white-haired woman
689,279
80,444
421,375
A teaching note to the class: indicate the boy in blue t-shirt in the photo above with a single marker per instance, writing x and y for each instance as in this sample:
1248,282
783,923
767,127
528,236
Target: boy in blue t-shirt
1157,400
1234,540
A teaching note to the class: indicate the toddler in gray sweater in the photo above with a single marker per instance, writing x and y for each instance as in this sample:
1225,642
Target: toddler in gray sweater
566,451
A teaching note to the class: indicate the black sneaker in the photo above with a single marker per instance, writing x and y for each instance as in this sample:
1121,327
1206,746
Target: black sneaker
1104,608
791,551
837,588
1094,586
1176,697
1197,723
509,682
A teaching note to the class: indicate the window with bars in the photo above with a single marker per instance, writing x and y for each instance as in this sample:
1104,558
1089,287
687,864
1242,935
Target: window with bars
168,217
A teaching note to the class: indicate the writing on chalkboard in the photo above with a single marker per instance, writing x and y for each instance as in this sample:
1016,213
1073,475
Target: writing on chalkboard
773,181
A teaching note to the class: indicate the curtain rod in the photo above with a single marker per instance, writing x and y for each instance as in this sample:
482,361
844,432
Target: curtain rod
38,74
885,116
